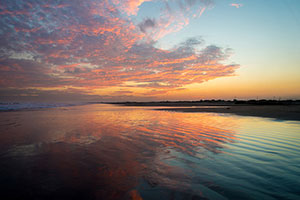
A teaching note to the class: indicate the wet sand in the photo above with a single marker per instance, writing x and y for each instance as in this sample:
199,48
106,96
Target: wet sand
99,151
279,112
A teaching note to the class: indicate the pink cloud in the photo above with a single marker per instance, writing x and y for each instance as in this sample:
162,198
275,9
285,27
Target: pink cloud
130,7
237,5
98,47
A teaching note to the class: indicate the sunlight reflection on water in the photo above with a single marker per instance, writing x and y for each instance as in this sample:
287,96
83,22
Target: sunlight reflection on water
113,152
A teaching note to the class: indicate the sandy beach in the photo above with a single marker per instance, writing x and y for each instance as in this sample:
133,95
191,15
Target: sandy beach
280,112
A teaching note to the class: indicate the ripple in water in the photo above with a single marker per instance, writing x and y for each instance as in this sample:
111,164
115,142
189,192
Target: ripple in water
112,152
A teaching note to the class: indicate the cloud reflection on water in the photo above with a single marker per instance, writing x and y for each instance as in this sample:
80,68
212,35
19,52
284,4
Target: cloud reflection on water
107,153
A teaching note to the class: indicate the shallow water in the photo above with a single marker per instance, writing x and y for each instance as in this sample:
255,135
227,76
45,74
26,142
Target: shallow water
113,152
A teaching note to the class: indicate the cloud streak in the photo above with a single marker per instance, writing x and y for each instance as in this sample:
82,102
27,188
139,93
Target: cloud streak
92,45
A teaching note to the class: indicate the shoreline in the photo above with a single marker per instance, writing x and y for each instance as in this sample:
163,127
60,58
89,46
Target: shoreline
279,112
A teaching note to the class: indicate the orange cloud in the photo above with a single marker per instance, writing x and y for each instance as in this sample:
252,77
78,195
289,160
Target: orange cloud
99,47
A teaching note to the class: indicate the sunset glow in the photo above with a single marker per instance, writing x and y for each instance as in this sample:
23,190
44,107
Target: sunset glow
138,50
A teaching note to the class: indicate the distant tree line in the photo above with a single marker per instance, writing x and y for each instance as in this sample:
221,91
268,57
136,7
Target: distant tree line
211,102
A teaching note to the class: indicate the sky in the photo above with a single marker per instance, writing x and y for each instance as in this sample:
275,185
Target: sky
148,50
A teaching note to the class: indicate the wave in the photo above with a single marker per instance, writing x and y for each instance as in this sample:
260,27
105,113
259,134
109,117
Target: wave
16,106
